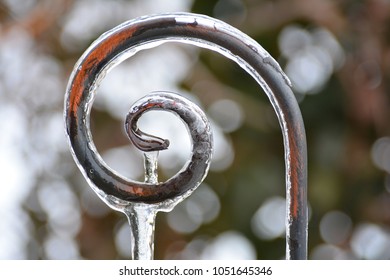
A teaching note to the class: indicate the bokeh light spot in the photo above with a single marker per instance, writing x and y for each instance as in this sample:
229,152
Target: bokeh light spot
269,221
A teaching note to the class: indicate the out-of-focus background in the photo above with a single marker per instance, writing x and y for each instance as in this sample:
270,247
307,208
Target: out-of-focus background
337,55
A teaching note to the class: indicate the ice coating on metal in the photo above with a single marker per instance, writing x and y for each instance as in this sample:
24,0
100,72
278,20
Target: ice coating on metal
151,163
141,218
194,171
130,37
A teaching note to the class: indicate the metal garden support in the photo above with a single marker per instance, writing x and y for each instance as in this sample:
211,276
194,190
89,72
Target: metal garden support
124,41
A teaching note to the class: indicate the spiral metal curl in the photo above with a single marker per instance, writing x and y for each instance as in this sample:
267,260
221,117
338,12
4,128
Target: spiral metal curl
124,41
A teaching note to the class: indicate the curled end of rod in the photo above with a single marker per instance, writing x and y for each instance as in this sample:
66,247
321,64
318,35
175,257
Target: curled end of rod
143,141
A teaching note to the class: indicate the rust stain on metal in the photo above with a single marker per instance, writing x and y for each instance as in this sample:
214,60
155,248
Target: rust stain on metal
92,61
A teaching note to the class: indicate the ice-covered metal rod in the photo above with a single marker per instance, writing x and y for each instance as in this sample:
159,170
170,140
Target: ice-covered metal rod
142,216
126,39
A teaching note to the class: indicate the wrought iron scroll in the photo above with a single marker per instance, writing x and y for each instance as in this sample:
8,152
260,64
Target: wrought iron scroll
125,40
